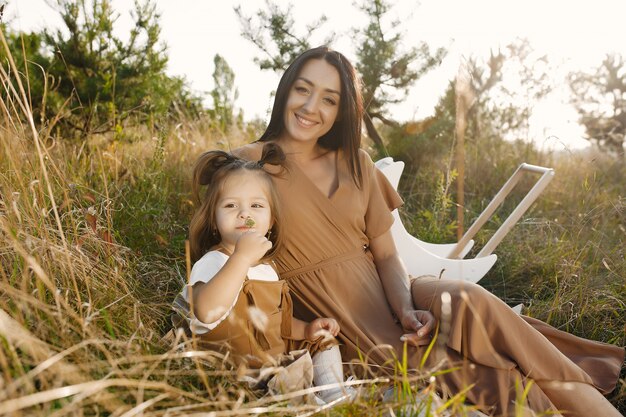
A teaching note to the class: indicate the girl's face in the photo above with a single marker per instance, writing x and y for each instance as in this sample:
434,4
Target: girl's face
244,195
313,102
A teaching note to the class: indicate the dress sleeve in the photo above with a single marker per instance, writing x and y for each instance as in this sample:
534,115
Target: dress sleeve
382,199
207,267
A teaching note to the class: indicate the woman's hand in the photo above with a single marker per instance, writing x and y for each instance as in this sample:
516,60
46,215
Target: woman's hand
419,324
318,327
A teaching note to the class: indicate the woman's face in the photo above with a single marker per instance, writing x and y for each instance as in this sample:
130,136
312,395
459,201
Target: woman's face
313,102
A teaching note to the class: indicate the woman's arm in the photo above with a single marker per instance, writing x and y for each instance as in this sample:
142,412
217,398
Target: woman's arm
395,282
213,298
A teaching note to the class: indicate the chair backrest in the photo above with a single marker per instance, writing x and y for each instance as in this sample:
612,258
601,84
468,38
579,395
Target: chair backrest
392,170
423,258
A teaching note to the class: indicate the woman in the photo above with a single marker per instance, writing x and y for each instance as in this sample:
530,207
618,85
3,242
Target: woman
340,261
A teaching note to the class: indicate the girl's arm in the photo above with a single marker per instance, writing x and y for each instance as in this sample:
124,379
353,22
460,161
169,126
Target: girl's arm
394,278
213,298
298,328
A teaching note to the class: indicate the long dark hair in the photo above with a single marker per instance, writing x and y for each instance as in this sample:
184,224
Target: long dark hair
211,170
346,131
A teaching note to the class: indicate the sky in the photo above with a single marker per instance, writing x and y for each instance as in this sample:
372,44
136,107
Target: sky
574,35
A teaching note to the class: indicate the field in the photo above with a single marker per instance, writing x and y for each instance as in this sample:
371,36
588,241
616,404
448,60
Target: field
92,253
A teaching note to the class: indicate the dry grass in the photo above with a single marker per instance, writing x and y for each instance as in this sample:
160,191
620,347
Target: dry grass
91,255
91,251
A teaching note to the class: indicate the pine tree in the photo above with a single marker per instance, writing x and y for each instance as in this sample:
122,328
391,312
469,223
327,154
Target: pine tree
88,80
224,94
386,70
600,99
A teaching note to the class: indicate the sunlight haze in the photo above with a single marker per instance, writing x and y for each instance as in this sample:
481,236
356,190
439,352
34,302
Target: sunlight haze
574,35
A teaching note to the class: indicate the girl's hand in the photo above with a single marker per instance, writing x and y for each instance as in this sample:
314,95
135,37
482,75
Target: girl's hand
419,323
319,327
251,247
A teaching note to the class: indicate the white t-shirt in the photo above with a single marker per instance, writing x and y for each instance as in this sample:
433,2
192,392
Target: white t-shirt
204,270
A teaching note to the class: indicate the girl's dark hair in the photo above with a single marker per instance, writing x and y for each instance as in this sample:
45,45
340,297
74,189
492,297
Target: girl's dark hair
346,132
211,170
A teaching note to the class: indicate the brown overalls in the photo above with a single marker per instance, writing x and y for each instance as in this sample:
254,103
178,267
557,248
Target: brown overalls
244,335
272,346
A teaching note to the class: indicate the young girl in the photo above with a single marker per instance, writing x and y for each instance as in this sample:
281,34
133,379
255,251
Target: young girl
233,295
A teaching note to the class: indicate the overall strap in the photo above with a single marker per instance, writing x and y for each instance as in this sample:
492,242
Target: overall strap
287,306
258,334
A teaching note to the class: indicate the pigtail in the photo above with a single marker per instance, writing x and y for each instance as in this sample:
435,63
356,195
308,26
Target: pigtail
207,165
272,154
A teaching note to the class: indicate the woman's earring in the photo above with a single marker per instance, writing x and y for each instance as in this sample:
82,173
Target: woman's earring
269,234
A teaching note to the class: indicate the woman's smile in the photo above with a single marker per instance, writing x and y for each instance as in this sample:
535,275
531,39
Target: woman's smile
305,122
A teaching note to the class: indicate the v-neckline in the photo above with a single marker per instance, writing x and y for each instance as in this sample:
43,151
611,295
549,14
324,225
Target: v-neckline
312,184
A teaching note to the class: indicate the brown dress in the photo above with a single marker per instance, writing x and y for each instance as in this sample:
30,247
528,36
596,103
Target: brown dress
331,274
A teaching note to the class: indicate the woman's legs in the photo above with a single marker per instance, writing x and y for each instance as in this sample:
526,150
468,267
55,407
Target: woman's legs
498,348
578,399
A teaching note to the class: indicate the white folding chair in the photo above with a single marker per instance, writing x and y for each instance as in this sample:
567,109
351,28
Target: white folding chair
393,172
446,261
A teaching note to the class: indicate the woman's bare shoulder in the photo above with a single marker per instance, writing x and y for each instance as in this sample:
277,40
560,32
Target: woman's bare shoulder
251,151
